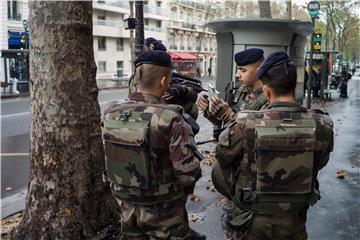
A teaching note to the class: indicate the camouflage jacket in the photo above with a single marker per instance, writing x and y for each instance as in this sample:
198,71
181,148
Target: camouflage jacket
236,154
188,102
245,101
175,169
250,100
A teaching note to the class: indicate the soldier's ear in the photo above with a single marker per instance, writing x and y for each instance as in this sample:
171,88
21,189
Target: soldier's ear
267,92
163,82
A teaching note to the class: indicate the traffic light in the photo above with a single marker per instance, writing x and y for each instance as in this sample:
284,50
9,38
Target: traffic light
23,38
317,40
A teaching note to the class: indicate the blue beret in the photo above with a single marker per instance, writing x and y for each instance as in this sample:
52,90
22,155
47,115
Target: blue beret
273,59
154,57
154,44
248,56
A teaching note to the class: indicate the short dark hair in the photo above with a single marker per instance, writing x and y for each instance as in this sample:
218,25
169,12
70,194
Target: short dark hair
147,75
281,78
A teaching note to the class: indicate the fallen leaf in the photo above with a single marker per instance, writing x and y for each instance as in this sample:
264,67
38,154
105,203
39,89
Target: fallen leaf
194,198
194,217
211,188
208,161
340,174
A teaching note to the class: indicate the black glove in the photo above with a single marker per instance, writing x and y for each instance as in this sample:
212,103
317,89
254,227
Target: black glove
175,92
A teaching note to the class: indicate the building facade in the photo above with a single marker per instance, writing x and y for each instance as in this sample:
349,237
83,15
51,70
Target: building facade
178,24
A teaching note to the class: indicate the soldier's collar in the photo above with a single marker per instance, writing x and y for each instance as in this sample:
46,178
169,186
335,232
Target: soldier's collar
145,97
284,104
258,91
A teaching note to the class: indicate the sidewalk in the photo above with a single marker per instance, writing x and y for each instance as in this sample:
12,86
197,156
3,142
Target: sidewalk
336,216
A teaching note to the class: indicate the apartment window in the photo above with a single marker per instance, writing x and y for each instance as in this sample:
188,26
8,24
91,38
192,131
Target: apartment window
119,68
146,22
101,15
158,23
158,3
102,43
119,44
101,18
14,10
102,66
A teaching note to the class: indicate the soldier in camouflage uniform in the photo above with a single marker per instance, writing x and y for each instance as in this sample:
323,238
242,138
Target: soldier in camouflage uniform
179,94
268,160
150,160
150,44
249,96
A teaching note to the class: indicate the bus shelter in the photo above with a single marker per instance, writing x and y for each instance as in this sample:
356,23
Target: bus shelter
271,35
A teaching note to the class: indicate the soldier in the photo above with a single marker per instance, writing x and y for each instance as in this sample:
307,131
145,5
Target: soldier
247,62
150,160
150,44
179,94
268,160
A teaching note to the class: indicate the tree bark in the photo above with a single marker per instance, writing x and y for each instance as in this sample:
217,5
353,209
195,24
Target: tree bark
66,196
288,9
265,8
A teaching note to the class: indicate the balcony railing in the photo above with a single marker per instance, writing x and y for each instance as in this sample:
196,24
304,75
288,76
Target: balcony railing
155,29
122,4
156,10
186,25
108,23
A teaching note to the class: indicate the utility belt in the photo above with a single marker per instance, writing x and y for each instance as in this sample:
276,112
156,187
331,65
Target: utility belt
162,193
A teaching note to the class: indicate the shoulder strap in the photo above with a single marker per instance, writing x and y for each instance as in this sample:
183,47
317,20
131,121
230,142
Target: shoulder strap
176,108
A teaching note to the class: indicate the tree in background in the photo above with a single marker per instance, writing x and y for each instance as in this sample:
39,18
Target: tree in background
341,26
265,8
66,196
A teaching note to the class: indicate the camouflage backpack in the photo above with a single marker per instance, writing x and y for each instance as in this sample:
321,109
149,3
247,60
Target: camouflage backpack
279,162
131,133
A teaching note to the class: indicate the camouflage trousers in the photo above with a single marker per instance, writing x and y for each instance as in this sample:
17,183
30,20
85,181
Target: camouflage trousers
167,220
240,224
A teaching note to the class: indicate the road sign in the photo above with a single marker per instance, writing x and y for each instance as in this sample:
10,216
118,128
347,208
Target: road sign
313,8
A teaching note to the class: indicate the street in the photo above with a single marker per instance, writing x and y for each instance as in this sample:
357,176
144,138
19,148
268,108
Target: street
336,216
15,125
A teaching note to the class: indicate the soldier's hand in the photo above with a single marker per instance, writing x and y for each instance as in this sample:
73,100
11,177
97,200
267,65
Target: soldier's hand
203,103
215,105
175,92
220,109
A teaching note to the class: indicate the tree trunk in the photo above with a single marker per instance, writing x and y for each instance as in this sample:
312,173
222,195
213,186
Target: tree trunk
327,31
265,8
288,9
66,196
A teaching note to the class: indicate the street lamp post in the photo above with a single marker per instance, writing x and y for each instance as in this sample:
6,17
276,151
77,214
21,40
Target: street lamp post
139,27
313,9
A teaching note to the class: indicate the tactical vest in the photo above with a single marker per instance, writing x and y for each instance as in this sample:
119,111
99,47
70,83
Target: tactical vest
255,104
277,173
137,152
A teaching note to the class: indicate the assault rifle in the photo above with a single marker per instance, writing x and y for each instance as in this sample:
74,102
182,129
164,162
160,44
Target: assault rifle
195,83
